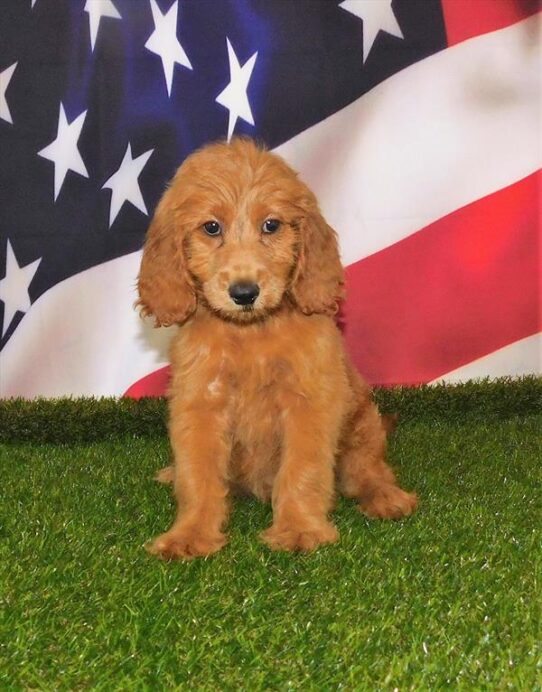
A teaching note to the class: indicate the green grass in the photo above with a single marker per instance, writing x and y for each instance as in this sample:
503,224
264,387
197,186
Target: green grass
93,420
447,599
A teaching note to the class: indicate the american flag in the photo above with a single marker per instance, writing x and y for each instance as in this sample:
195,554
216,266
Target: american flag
415,122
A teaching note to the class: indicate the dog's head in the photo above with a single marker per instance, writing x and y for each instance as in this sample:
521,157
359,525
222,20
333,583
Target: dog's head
238,233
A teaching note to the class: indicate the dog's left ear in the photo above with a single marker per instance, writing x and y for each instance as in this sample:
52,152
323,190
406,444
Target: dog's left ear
318,283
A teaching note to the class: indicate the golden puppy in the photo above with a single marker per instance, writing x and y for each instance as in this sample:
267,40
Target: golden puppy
263,398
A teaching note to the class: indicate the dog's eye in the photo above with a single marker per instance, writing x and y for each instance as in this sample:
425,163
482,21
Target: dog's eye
271,226
212,228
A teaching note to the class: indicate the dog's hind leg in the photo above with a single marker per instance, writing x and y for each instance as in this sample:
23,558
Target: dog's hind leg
362,470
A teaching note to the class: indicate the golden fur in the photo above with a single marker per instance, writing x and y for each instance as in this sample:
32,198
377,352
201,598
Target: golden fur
263,398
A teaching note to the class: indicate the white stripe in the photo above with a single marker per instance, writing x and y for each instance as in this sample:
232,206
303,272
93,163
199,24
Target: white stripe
436,136
83,338
523,357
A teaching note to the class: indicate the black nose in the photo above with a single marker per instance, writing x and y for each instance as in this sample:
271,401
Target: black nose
244,293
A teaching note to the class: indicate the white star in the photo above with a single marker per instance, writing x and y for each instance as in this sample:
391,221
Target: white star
96,10
63,151
163,41
234,96
14,287
124,185
5,78
377,15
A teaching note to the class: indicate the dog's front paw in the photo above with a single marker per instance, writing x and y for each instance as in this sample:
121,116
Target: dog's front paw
184,544
299,538
389,502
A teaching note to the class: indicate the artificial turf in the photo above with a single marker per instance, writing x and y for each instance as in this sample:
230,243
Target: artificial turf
449,598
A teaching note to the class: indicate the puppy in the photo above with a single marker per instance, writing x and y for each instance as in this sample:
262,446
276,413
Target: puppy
263,398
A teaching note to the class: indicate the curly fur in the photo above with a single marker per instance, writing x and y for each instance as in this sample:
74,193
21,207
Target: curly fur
263,398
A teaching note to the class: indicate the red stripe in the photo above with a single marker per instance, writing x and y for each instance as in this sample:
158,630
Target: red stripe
154,384
467,18
455,291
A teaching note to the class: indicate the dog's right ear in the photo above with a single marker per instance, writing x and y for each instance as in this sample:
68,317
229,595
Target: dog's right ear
164,286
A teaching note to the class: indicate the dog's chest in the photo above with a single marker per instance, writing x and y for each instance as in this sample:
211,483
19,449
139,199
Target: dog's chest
253,375
255,390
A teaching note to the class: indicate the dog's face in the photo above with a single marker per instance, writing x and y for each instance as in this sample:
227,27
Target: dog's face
238,233
241,235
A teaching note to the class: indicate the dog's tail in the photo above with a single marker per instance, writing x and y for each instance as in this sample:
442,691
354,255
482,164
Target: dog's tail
390,421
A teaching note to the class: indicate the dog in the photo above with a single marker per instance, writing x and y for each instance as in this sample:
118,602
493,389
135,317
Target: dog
263,398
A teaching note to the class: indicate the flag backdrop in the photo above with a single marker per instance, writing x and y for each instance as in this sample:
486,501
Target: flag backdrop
415,122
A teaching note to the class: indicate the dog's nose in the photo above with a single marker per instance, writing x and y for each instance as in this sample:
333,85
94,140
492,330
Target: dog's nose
244,293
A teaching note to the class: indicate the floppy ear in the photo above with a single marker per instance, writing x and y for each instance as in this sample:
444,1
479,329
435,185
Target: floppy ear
318,283
165,288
